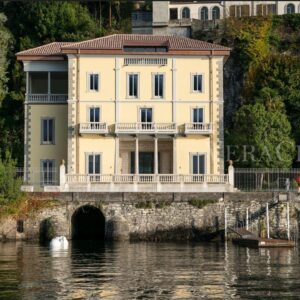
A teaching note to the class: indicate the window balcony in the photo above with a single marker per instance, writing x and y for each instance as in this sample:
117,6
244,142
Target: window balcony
93,128
45,98
198,128
146,128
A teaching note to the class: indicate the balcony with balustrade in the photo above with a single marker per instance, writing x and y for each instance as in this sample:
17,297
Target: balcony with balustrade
146,128
93,128
198,128
148,182
47,87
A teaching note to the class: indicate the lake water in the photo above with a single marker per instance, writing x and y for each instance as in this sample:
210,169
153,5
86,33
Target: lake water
147,271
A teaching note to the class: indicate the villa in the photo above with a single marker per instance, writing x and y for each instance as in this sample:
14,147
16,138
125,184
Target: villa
187,17
125,112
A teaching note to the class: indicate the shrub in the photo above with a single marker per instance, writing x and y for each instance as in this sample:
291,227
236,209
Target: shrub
199,203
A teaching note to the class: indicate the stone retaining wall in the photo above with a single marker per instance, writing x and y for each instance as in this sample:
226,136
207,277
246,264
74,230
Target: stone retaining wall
158,217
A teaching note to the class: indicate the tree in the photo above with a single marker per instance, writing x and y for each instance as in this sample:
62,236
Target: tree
5,38
265,134
9,184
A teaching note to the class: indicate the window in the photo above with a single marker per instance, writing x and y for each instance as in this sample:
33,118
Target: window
173,13
158,86
145,49
47,172
94,82
94,114
133,81
204,13
290,8
146,118
197,115
197,83
198,164
93,165
47,131
216,13
185,13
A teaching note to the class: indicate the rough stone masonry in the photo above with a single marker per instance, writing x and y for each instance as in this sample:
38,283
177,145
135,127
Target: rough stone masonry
158,216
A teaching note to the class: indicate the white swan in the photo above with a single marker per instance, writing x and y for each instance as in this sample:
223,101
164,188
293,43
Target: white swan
59,243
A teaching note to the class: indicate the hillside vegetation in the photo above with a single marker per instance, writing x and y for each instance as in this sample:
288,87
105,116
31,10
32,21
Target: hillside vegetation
262,87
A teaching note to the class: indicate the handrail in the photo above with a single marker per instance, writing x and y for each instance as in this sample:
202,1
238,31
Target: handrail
146,127
47,98
93,127
198,127
147,178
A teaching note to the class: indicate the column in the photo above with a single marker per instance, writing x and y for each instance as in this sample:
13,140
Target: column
136,155
174,156
49,83
117,154
155,156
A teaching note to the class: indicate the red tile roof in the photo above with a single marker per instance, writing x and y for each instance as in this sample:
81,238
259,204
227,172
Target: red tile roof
48,49
118,41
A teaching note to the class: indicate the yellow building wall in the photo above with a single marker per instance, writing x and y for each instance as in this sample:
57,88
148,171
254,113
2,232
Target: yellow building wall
130,112
107,111
187,145
97,144
103,65
39,152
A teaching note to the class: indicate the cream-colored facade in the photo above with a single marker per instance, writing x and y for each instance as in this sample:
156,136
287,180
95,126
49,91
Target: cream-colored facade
166,128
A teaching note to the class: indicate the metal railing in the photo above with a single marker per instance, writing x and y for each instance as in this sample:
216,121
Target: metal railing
93,127
196,128
259,179
146,128
146,178
145,61
47,98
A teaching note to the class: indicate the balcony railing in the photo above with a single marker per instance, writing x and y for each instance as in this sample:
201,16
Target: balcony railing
47,98
93,128
145,61
198,128
147,178
146,128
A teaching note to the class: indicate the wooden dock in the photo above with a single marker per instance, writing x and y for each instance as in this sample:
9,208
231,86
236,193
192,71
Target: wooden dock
248,239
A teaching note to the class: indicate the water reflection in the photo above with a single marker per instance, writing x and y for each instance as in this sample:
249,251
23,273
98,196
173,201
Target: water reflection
147,270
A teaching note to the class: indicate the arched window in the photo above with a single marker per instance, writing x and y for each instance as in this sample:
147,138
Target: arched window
290,8
185,13
204,13
216,13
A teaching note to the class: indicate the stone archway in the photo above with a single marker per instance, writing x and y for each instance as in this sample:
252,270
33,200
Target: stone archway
88,223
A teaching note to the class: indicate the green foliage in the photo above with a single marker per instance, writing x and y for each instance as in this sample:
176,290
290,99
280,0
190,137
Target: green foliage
9,184
144,205
5,43
268,131
200,203
249,36
163,204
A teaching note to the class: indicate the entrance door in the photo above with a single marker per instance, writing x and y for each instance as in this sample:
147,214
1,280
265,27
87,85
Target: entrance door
198,164
146,162
146,118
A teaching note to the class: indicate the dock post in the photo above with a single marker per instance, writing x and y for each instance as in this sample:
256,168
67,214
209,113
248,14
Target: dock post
288,220
247,218
225,223
268,220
